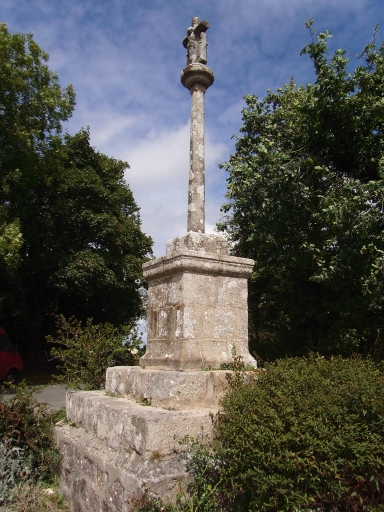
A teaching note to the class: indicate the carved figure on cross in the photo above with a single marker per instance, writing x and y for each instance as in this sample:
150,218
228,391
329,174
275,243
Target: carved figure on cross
196,42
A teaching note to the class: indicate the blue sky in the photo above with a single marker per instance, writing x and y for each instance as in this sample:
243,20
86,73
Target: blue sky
124,59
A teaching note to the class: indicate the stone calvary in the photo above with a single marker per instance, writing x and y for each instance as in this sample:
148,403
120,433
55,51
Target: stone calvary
112,445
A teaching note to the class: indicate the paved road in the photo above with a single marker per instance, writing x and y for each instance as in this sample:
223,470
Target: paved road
53,395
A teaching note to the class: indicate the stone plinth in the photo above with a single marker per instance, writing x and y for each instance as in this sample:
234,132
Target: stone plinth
114,446
197,305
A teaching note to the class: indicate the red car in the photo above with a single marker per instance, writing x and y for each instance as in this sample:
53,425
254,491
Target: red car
11,363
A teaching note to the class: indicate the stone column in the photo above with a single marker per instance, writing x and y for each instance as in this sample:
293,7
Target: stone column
196,190
197,77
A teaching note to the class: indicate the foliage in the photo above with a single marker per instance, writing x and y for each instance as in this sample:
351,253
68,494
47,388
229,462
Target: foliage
33,105
204,468
70,235
86,351
83,251
28,452
306,193
15,468
307,435
29,461
10,245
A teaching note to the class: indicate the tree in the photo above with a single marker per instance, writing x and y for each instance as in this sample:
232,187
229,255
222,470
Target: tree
306,195
83,246
32,103
74,236
32,107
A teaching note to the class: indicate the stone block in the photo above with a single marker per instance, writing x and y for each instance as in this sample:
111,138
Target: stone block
199,242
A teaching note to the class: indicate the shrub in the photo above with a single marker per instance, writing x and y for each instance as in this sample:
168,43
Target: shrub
85,352
15,468
307,435
27,449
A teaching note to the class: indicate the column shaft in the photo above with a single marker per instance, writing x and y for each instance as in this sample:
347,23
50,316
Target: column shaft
196,190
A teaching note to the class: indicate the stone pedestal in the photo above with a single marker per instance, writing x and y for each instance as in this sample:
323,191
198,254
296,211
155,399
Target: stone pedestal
197,305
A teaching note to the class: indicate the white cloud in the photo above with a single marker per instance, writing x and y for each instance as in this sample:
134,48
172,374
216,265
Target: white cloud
160,158
158,177
106,125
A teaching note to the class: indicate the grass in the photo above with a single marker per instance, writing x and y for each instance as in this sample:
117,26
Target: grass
38,498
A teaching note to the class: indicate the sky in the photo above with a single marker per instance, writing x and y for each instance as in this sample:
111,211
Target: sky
124,58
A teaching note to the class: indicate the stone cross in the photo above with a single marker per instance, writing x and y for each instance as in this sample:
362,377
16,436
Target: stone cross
197,77
196,42
197,318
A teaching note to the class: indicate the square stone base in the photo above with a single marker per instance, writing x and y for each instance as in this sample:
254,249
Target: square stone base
197,305
115,442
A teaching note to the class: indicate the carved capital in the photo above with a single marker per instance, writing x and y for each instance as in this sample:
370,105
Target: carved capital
197,73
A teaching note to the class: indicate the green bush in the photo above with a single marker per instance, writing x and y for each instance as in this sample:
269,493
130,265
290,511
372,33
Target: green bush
27,450
308,434
85,352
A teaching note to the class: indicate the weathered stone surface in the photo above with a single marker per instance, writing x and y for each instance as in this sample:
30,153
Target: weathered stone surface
196,42
195,262
197,305
203,244
113,446
168,389
170,354
120,422
196,189
197,74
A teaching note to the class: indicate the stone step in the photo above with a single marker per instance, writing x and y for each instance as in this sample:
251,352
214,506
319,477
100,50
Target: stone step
112,447
169,389
126,424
